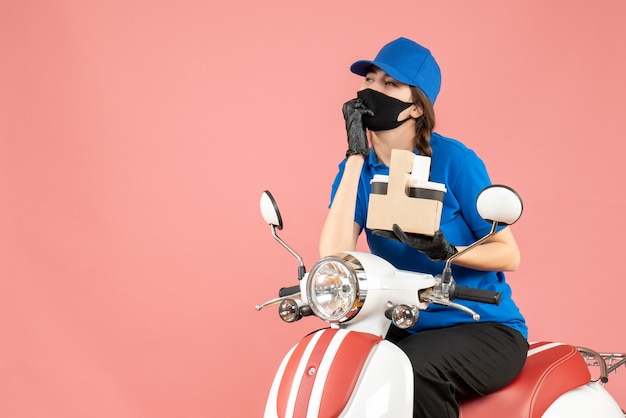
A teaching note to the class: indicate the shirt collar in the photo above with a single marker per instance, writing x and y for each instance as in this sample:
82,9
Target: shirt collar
373,159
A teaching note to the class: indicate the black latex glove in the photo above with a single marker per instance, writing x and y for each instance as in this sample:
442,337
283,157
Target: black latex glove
437,247
353,112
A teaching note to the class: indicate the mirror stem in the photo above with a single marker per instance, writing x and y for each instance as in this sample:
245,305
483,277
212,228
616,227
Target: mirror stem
301,268
447,271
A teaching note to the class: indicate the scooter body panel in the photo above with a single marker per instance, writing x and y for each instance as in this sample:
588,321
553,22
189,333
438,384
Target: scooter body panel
385,387
339,373
589,401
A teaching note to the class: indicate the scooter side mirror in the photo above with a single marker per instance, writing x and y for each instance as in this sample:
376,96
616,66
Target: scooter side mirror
271,214
499,204
269,210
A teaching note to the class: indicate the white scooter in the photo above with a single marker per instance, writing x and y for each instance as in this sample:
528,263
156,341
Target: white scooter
349,370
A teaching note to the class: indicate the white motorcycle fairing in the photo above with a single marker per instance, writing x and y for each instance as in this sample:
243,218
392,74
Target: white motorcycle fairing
339,373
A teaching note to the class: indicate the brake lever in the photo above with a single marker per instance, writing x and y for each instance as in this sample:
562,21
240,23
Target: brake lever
441,301
276,301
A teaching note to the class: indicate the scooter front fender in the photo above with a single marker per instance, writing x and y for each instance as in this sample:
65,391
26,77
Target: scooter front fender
340,373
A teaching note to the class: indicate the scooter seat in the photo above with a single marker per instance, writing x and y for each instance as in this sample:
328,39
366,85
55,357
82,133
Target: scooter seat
551,369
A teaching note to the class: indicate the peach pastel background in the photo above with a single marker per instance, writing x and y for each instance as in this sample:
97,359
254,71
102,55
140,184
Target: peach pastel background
136,137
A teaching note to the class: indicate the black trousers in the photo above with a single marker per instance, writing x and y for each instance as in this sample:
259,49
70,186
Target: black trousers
460,362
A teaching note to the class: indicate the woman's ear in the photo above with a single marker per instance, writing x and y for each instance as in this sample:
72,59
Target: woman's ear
416,111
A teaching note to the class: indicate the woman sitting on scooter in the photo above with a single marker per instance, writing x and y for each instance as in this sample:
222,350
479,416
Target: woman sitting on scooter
453,357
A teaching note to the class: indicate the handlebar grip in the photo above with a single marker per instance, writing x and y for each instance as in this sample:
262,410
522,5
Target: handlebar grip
287,291
476,295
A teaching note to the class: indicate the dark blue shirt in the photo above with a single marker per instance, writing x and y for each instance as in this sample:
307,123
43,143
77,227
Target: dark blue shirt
464,175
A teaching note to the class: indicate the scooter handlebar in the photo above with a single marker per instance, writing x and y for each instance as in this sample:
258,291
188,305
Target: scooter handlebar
288,291
476,295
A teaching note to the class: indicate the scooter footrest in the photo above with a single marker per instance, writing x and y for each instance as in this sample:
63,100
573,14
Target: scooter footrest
551,369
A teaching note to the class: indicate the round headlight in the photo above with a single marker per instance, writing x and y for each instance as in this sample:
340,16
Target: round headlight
333,288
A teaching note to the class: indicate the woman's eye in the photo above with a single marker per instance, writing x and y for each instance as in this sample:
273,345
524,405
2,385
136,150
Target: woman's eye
390,83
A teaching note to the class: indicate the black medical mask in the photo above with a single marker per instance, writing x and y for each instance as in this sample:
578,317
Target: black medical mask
386,110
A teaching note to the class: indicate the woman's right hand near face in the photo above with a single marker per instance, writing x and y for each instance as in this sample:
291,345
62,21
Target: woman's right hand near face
353,112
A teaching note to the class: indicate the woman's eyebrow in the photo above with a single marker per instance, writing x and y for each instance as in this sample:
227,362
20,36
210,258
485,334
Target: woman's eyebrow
376,71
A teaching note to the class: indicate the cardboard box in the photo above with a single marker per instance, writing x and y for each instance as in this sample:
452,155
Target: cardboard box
406,197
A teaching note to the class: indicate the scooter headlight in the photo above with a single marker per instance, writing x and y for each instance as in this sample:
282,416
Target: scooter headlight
333,288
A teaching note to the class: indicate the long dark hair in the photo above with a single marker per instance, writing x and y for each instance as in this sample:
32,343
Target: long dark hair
425,124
